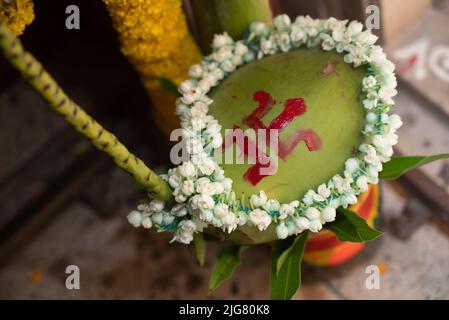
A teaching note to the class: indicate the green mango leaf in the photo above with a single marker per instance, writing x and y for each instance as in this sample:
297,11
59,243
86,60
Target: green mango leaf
397,166
349,226
199,246
285,282
285,254
169,86
227,262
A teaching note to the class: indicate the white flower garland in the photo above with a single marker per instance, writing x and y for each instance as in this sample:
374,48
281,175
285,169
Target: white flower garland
204,195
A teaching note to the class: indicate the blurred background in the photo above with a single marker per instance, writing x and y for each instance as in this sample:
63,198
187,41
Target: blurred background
64,203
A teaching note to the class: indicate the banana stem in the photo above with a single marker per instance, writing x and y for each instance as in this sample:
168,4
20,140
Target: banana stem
46,86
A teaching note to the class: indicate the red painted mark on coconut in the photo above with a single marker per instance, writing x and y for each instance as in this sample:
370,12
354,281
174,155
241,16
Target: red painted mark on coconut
249,148
253,175
266,103
293,108
245,144
310,138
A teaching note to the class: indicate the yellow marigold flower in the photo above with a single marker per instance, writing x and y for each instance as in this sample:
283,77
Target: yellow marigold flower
153,32
17,14
155,38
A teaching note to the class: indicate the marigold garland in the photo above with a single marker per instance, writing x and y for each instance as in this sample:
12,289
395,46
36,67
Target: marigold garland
155,38
17,14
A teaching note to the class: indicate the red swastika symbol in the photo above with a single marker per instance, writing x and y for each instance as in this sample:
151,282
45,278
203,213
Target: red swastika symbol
293,108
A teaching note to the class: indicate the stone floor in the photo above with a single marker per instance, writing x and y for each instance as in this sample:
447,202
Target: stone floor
118,261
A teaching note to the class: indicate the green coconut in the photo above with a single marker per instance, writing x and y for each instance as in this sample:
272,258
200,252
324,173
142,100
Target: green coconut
332,93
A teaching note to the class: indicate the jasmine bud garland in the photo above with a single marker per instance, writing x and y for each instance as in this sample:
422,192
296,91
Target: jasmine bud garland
200,184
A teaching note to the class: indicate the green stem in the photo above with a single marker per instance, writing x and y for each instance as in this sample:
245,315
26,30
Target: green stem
46,86
232,16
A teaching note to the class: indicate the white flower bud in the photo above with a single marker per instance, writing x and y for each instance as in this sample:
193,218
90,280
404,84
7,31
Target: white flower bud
196,71
348,199
285,210
156,205
168,219
222,54
354,27
312,213
204,186
315,226
328,214
198,123
219,188
258,200
257,27
308,197
207,166
240,48
371,117
186,86
242,218
179,210
227,184
157,218
221,210
395,121
237,60
204,85
302,223
147,223
202,201
188,98
217,141
174,181
184,233
249,56
260,219
282,231
362,183
351,165
282,21
180,198
267,46
324,191
283,41
187,169
188,187
271,205
206,215
297,34
294,203
181,108
135,218
221,40
369,83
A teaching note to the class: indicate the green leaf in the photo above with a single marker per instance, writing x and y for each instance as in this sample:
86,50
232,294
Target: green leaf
199,246
285,282
227,262
284,255
349,226
169,86
397,166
